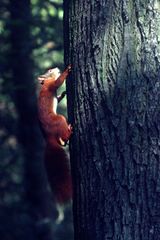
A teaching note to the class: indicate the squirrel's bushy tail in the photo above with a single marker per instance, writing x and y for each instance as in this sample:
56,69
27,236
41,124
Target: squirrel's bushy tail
58,171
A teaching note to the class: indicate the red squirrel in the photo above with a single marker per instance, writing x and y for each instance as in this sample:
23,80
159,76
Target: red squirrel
56,132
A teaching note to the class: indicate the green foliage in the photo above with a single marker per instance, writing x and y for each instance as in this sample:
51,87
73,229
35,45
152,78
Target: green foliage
47,33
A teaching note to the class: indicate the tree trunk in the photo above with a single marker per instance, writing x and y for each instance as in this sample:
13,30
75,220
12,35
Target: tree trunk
114,106
24,95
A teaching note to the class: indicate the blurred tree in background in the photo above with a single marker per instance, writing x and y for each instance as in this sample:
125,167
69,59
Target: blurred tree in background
31,37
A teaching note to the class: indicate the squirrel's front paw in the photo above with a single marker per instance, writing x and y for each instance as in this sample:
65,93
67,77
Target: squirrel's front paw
70,128
69,67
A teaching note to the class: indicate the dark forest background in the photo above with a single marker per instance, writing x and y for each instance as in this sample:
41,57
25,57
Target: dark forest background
31,41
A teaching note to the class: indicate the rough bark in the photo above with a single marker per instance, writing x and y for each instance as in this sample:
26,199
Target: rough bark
114,106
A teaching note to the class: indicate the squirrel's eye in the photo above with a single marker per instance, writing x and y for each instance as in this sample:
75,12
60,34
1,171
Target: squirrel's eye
50,70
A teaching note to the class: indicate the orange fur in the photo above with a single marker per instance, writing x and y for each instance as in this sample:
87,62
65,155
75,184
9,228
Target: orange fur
55,130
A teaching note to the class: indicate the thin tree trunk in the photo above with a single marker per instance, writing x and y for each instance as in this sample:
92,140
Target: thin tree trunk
114,106
28,128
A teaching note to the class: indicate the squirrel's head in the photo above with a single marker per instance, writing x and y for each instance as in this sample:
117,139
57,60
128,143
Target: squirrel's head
51,74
